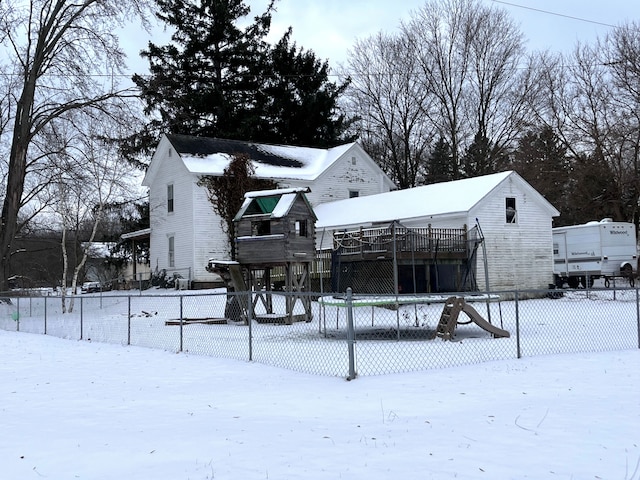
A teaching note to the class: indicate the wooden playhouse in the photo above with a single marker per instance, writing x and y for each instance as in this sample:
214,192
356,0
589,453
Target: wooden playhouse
275,229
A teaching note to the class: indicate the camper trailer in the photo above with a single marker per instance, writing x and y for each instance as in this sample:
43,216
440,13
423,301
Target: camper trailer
583,253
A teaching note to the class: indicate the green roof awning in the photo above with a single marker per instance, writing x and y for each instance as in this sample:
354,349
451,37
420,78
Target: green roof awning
267,204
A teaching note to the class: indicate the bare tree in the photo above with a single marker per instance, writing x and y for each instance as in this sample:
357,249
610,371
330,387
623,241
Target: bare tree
472,57
439,34
63,56
592,103
88,177
623,50
390,102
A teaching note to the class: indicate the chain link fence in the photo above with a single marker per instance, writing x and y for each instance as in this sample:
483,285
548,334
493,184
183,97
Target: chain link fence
343,335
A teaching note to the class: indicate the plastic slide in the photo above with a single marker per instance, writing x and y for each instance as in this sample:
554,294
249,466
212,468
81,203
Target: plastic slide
473,314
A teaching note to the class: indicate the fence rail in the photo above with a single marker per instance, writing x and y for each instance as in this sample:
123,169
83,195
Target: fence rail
345,335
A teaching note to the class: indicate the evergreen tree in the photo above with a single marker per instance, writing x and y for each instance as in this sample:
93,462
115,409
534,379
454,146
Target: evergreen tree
297,100
592,194
481,157
541,159
202,82
441,166
220,80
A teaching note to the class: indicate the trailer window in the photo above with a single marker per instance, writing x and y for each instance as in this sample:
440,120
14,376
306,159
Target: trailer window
510,210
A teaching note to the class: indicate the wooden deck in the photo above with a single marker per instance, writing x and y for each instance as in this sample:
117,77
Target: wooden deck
402,243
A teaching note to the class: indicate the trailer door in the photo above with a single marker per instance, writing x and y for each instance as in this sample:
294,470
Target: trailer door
560,258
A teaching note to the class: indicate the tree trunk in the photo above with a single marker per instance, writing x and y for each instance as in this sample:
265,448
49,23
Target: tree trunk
65,268
17,172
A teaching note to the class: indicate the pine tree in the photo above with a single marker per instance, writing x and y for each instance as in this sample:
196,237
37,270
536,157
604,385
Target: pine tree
220,80
481,157
441,163
202,83
541,159
298,102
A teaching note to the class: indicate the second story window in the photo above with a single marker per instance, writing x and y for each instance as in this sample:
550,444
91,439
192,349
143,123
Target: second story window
170,198
511,212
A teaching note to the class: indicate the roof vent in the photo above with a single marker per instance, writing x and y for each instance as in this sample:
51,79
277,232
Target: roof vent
606,220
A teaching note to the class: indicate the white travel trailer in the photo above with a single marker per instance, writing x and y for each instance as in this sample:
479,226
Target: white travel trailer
585,252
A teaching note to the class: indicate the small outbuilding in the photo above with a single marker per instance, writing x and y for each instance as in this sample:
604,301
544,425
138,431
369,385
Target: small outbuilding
497,227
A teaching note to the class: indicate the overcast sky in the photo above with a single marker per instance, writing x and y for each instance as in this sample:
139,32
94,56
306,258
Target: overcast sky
330,27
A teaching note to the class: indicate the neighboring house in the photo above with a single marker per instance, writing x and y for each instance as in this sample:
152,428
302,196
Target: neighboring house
96,268
137,268
515,219
185,230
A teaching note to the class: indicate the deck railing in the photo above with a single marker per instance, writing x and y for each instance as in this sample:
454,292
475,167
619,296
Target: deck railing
426,239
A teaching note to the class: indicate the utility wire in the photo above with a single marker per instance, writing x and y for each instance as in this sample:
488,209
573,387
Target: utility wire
547,12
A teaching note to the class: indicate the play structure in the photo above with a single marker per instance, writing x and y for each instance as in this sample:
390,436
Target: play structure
449,319
274,247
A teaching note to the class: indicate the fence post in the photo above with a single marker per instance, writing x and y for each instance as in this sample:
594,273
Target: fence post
351,335
81,316
128,318
250,323
519,352
17,319
638,314
45,315
181,324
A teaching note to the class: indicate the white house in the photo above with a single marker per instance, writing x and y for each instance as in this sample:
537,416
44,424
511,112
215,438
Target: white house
186,232
515,219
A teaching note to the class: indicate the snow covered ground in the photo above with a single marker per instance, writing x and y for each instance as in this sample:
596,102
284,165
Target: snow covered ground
86,410
83,409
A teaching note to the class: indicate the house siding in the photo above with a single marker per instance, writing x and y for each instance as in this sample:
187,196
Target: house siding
519,255
176,223
342,177
210,241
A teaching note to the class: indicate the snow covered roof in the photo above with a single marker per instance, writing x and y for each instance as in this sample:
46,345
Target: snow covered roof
457,196
276,202
210,156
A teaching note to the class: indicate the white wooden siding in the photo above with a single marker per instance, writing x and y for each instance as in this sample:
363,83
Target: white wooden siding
519,255
210,241
177,223
343,176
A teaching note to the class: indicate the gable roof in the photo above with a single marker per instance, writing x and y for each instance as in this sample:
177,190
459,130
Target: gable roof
277,203
210,156
458,196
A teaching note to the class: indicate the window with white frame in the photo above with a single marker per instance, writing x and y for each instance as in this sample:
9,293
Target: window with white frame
172,252
170,198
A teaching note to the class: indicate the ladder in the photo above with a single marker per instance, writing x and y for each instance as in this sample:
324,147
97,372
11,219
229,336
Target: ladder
449,318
